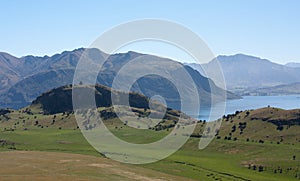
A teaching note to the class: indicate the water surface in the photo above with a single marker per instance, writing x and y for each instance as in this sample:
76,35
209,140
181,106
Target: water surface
250,102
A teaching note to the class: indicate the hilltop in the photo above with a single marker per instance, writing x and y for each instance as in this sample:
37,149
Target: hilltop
268,124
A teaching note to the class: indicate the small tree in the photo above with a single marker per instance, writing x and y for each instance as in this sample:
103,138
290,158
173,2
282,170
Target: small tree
261,141
260,168
279,128
233,128
247,113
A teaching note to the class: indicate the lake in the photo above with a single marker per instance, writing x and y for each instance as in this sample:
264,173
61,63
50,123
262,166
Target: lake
250,102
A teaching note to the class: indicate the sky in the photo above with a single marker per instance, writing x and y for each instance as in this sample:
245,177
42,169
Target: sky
264,28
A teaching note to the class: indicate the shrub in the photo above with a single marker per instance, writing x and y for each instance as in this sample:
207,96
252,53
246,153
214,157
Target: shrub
260,168
279,128
261,141
233,128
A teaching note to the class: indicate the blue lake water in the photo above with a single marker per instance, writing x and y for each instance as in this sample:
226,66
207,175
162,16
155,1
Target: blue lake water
249,102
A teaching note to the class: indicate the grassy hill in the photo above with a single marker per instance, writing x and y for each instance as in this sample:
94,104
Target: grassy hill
223,159
270,124
258,144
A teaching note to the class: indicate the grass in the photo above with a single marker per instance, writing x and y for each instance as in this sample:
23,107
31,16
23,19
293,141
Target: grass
221,160
35,165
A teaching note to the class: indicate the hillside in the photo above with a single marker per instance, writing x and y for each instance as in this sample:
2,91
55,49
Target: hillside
292,64
260,144
285,89
59,100
262,152
26,78
243,72
268,124
272,125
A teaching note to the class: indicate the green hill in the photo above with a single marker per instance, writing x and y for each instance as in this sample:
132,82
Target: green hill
258,144
269,124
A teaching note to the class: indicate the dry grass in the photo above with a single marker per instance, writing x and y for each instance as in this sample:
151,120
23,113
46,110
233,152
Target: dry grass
34,165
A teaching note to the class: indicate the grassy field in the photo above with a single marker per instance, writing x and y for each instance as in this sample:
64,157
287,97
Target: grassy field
221,160
36,165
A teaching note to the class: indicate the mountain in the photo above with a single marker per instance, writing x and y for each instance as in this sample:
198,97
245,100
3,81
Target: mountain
292,64
22,93
27,77
8,76
248,72
285,89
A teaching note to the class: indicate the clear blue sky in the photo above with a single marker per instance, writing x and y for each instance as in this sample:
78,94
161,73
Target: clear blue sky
268,29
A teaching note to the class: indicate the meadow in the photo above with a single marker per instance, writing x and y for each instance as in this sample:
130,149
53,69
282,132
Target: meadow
221,160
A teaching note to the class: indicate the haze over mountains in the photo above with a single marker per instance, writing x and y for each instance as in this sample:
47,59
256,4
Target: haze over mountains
246,73
284,89
23,79
292,64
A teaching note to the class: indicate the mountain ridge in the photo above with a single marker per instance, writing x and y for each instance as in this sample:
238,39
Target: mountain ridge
45,73
242,72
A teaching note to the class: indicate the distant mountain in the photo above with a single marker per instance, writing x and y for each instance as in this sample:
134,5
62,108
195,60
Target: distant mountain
24,91
292,64
26,78
15,69
242,72
285,89
8,75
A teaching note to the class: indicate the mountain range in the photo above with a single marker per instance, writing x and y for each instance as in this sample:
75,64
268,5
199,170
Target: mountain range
244,72
23,79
